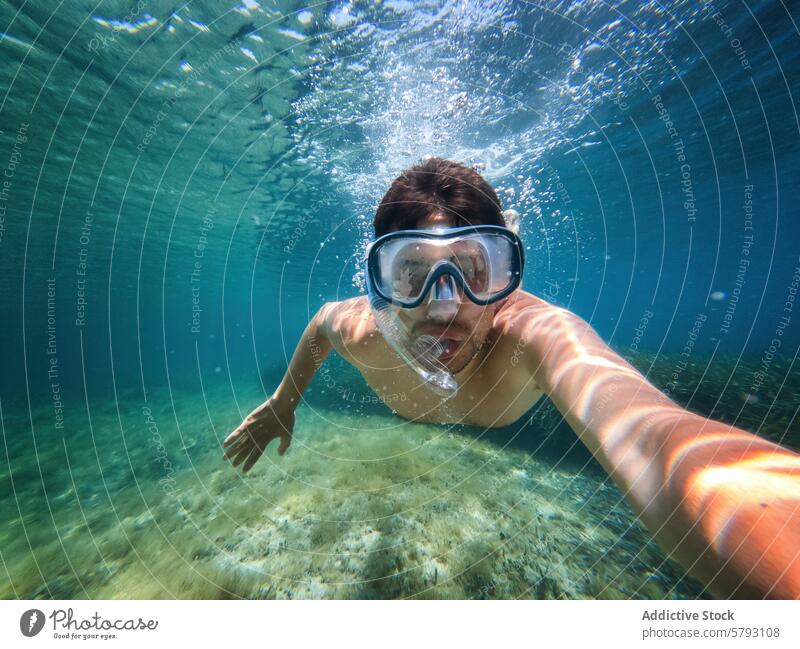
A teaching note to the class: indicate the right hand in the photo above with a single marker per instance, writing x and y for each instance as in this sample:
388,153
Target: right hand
270,420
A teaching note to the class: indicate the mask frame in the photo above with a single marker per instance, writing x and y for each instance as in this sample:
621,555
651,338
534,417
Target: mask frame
447,267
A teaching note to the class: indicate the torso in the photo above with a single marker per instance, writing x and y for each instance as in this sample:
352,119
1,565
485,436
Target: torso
494,391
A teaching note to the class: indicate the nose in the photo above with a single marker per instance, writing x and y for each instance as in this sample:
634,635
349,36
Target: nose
443,301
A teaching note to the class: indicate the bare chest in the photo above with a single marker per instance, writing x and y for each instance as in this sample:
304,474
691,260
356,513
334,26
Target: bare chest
490,398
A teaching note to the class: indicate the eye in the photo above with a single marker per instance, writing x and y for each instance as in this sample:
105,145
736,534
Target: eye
467,267
410,265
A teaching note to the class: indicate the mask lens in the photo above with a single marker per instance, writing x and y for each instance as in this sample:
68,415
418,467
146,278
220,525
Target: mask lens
473,260
408,272
496,265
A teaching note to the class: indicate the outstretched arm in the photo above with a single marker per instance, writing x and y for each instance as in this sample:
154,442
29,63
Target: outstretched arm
723,502
275,417
312,350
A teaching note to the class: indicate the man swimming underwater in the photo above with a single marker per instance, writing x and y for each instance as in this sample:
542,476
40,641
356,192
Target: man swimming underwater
443,276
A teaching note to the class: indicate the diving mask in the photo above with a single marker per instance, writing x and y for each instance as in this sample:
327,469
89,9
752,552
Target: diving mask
484,261
408,267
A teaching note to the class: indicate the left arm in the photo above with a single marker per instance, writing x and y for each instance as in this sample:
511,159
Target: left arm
723,502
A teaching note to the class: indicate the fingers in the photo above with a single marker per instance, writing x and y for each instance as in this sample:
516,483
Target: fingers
285,441
237,445
248,451
231,451
252,459
242,435
242,447
242,455
236,434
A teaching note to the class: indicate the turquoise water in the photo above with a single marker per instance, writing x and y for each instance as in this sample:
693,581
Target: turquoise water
184,185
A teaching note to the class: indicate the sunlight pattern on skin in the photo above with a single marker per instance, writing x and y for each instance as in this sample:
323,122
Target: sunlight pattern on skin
748,506
714,496
753,477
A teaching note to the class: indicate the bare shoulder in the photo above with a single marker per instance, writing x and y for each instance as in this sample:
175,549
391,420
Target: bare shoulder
349,326
533,327
521,312
348,320
548,338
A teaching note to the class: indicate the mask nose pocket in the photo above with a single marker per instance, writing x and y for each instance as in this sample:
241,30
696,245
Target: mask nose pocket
444,289
444,300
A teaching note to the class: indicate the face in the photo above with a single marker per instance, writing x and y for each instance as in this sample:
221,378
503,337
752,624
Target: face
463,330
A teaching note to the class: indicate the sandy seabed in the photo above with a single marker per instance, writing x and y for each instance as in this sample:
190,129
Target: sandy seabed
134,501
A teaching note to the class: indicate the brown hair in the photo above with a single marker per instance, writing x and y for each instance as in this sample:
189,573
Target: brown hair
438,185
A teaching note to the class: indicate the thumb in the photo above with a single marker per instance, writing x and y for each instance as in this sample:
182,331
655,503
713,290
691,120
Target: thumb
285,441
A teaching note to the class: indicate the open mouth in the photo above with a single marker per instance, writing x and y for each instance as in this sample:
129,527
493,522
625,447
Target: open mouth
451,347
449,339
